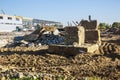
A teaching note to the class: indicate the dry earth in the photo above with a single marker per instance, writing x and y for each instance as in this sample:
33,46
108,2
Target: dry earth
37,62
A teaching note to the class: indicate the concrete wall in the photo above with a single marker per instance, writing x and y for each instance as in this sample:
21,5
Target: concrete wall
92,36
75,35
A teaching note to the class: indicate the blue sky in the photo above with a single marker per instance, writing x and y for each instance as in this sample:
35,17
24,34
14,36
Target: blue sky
64,10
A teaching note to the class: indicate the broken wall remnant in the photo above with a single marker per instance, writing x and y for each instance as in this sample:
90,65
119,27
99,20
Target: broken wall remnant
92,34
75,35
79,39
92,24
72,50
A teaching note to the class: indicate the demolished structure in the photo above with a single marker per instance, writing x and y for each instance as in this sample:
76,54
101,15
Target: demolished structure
78,39
83,38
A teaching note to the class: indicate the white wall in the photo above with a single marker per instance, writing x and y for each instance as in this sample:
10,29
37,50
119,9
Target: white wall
9,25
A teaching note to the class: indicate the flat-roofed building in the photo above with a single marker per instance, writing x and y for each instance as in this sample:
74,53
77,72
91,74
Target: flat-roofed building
9,23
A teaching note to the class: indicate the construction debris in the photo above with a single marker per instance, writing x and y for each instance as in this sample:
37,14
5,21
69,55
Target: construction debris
79,39
27,62
114,30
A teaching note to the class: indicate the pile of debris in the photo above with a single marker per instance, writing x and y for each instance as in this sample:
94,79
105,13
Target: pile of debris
41,36
50,39
114,30
83,38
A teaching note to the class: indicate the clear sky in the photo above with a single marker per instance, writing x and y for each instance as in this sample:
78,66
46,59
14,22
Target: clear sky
64,10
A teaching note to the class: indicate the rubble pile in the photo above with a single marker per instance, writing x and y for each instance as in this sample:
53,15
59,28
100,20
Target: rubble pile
45,36
50,39
114,30
41,36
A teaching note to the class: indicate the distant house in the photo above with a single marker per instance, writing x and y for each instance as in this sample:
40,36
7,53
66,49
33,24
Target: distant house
9,23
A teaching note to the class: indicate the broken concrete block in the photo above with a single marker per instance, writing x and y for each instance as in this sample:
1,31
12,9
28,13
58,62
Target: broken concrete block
89,25
71,50
75,34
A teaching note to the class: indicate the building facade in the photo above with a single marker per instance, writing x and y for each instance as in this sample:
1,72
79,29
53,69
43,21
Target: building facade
9,23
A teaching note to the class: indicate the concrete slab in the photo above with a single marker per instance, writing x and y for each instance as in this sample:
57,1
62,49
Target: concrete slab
72,50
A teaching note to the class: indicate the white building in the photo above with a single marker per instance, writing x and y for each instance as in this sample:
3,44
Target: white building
9,23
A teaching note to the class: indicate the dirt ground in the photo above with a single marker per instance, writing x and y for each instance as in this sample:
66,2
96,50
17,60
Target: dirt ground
37,62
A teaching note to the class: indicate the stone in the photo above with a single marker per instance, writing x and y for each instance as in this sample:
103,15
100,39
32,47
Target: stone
21,75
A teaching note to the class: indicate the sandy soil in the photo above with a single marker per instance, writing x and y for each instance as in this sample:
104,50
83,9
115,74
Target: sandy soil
37,62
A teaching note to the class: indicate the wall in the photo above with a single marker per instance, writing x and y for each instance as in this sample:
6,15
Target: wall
10,24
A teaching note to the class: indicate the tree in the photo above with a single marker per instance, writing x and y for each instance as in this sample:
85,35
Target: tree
104,26
116,24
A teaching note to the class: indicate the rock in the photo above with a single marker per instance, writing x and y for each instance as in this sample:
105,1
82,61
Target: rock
21,75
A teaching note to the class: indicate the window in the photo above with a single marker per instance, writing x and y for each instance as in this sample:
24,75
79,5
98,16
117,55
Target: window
9,18
1,17
17,19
